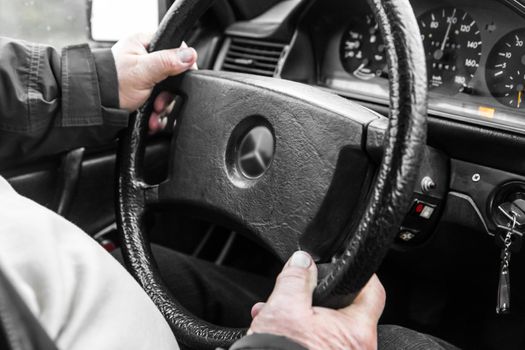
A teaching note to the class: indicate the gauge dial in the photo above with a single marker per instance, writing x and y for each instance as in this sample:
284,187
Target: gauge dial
452,43
362,50
506,70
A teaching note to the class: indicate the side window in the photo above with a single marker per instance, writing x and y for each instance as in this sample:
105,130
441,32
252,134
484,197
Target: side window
53,22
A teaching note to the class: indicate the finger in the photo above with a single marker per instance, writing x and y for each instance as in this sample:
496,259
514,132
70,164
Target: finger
295,284
154,123
256,309
195,66
162,108
157,122
370,301
169,108
162,102
137,44
161,64
144,38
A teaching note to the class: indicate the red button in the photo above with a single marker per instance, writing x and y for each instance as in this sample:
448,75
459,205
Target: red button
419,208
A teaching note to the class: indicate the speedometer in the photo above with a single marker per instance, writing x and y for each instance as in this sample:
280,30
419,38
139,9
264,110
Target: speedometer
452,43
362,50
506,70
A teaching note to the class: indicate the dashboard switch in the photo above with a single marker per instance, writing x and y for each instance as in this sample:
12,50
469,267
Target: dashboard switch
427,184
419,208
407,235
427,212
422,209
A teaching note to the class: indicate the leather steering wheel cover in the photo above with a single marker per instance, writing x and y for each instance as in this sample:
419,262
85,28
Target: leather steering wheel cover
131,202
386,207
405,139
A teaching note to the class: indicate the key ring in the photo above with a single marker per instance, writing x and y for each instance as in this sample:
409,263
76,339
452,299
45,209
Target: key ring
507,243
514,221
511,230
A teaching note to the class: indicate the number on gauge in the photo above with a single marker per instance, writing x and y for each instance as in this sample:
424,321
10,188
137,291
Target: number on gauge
452,44
506,70
362,51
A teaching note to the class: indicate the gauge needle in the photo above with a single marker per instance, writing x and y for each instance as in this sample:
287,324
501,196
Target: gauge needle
359,68
448,31
520,93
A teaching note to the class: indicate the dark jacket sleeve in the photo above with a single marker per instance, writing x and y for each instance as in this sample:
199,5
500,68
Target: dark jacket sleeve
266,342
50,103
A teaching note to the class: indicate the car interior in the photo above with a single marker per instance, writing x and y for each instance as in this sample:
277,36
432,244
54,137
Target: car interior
466,216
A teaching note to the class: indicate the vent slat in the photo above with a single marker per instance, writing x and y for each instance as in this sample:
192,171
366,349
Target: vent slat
234,68
252,56
256,51
255,57
250,63
247,42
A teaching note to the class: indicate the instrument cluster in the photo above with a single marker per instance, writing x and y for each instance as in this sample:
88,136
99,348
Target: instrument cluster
452,42
453,49
475,57
506,70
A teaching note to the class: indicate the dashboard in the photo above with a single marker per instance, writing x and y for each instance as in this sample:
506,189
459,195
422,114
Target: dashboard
475,56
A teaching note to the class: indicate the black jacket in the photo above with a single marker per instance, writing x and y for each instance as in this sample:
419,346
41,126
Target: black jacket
49,104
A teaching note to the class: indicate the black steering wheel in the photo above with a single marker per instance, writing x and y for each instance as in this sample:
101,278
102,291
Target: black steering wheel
283,162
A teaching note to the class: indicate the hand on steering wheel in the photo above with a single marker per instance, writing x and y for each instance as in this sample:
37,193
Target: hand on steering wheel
139,71
289,311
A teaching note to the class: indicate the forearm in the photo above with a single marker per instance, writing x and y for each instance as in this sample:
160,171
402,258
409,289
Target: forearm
51,103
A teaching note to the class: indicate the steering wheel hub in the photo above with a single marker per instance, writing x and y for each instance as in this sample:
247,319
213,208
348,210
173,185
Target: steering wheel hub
255,152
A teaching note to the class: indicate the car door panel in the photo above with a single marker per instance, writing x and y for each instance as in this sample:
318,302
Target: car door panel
92,203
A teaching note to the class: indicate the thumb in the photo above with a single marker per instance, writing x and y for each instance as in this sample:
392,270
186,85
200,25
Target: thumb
295,284
162,64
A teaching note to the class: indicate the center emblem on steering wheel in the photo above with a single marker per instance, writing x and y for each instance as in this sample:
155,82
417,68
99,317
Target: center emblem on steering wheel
255,152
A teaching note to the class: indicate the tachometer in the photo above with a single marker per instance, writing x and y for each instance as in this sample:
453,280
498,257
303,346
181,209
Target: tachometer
506,70
362,50
452,43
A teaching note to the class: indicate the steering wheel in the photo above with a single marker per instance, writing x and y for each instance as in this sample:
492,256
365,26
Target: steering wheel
283,162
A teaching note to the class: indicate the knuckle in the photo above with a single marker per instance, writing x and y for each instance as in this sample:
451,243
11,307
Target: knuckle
276,313
280,314
264,324
166,61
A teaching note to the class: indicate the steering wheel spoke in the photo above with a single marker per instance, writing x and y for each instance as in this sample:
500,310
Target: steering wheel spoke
263,156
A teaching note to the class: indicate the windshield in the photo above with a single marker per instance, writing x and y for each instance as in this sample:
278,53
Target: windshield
54,22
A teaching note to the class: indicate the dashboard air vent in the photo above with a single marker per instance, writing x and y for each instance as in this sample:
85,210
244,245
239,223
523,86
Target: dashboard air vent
252,56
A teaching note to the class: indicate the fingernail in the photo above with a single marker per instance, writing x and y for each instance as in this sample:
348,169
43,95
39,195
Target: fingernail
186,55
163,122
300,259
170,107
